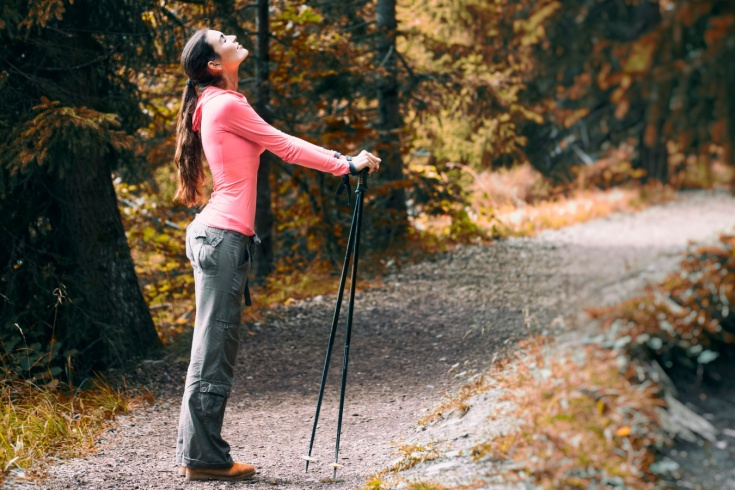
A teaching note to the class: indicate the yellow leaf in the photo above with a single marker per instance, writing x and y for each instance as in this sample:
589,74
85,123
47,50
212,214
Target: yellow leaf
148,233
641,55
623,431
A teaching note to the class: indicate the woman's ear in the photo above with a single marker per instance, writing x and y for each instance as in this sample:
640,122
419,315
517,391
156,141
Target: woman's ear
215,68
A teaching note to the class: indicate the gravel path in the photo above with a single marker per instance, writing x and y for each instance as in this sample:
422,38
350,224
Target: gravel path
460,308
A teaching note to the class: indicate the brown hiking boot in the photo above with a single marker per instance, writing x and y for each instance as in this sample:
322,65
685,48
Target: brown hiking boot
238,471
181,470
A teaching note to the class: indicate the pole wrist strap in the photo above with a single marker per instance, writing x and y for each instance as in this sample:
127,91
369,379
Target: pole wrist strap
345,185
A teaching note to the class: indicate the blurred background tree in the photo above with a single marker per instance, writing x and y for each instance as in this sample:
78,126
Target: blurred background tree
654,73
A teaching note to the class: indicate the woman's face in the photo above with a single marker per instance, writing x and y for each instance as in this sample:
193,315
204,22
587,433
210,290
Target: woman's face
229,50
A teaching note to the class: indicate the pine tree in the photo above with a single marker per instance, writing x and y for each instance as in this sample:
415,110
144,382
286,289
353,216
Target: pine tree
68,109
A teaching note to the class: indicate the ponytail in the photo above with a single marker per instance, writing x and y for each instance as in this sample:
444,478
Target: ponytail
195,57
188,156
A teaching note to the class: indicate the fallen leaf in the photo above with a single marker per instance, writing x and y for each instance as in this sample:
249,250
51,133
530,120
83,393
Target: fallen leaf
623,431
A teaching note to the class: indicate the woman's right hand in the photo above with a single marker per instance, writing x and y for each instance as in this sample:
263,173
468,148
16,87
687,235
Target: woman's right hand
365,159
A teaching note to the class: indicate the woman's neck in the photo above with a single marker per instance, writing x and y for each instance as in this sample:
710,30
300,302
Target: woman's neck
229,81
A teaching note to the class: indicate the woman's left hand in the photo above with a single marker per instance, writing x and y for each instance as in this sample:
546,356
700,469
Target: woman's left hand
365,159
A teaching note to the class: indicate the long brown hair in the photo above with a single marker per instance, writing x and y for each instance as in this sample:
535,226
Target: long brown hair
188,157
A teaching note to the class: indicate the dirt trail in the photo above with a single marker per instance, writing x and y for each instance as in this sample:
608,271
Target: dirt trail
461,308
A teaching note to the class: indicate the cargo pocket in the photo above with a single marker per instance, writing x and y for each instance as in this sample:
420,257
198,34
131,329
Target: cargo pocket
204,253
212,401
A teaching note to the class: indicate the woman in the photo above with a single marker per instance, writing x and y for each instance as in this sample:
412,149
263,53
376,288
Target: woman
216,119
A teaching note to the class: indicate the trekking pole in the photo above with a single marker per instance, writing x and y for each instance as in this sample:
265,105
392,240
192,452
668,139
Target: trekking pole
361,188
353,240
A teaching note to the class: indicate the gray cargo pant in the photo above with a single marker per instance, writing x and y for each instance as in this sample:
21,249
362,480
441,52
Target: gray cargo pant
221,261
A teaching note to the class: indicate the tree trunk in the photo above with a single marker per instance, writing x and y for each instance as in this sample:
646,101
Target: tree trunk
110,322
264,209
654,160
653,155
389,125
729,100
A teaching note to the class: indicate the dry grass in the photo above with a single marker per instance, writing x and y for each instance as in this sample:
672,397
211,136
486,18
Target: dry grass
377,481
520,202
583,423
510,188
581,206
39,423
457,402
386,480
410,455
421,485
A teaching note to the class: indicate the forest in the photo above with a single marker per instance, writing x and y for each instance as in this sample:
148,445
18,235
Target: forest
490,117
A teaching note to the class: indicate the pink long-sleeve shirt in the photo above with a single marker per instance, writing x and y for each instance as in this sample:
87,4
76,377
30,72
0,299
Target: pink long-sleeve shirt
233,137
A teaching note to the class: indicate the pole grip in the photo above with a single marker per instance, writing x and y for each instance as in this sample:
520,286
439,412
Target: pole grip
362,179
